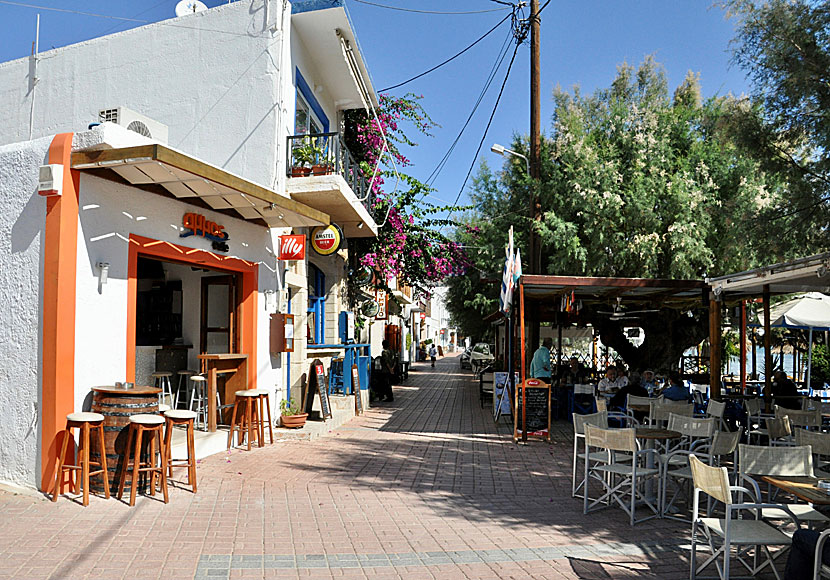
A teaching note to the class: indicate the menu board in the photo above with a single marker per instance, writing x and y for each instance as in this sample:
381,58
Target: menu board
358,398
319,384
537,410
502,400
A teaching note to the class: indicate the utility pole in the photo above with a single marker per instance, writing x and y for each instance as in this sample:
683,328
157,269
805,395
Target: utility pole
535,247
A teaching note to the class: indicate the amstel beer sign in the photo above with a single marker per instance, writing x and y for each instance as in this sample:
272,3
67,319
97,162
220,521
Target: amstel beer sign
326,240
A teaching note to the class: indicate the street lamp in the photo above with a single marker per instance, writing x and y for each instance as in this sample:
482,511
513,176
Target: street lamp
500,150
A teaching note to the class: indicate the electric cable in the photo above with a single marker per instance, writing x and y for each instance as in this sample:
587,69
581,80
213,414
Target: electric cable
486,34
428,11
492,75
487,128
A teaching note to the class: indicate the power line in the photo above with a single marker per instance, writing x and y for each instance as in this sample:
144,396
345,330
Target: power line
496,65
487,128
486,34
428,11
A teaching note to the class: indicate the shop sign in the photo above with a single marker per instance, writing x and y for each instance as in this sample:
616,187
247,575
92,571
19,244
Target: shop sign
380,298
423,316
292,247
326,240
195,224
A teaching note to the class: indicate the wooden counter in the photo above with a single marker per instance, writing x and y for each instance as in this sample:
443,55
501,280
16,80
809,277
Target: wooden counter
233,365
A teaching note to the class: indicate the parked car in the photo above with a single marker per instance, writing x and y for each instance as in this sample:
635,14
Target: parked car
481,355
465,358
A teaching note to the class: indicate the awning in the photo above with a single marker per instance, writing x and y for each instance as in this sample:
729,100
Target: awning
154,167
804,275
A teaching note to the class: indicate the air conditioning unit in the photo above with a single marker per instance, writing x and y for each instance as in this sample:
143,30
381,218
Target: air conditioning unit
134,122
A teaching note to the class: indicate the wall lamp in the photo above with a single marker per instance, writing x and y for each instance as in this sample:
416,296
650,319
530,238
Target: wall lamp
103,272
501,150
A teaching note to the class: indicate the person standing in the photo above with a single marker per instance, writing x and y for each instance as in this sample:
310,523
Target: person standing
540,364
433,352
387,362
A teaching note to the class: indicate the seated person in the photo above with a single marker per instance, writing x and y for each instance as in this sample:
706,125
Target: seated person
609,385
634,387
622,375
802,554
573,374
676,391
783,386
649,382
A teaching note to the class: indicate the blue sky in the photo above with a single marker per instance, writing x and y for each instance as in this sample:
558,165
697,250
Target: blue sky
583,42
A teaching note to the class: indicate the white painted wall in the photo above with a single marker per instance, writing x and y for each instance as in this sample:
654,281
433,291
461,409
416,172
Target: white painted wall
216,78
22,218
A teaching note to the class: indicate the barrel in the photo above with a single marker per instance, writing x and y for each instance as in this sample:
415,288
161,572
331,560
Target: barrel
117,408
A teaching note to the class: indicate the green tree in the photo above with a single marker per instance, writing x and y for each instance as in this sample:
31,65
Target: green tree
635,183
784,47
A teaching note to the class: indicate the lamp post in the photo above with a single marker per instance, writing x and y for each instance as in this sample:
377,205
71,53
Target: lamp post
501,150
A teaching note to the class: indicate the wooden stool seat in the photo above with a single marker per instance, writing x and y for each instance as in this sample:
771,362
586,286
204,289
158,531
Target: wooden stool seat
251,417
188,419
85,422
164,408
161,379
139,425
264,400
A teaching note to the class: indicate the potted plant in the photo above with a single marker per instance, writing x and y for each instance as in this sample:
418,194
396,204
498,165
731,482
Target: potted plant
305,155
291,415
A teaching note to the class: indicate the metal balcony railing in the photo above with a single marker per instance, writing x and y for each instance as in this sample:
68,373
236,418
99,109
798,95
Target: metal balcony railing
324,154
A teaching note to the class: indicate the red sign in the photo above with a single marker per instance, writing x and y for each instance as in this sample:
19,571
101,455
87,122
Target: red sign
292,247
423,316
326,240
195,224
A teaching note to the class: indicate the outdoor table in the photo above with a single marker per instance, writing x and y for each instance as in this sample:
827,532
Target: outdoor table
232,364
804,488
117,405
652,434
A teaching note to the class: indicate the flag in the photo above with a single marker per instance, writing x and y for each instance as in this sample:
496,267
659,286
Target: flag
506,295
517,267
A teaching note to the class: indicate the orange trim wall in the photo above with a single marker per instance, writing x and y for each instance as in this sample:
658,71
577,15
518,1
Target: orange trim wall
142,246
60,254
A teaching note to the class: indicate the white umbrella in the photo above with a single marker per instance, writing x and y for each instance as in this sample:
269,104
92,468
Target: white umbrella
808,312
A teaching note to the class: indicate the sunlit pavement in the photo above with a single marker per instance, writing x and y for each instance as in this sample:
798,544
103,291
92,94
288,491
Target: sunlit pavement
425,487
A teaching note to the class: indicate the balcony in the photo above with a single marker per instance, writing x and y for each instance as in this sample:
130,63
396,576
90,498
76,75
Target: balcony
322,173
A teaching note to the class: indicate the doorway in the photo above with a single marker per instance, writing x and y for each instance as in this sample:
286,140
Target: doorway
218,332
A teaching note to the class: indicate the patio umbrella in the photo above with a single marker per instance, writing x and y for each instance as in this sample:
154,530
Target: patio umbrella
809,311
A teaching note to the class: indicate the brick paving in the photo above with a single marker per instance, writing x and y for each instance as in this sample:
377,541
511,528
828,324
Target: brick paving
425,487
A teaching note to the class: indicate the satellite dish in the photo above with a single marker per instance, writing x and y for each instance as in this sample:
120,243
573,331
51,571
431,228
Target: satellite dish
185,7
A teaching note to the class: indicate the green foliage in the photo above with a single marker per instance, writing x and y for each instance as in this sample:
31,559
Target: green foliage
820,371
288,408
307,153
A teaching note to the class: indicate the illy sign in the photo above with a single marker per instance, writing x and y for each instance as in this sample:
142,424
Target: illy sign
292,247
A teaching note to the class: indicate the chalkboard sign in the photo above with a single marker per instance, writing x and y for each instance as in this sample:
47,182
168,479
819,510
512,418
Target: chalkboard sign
537,409
318,383
358,399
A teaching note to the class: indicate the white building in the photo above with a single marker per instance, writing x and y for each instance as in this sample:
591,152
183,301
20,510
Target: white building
129,265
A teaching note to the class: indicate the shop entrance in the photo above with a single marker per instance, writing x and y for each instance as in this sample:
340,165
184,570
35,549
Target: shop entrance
218,332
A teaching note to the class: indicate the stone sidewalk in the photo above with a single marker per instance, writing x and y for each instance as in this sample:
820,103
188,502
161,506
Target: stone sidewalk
425,487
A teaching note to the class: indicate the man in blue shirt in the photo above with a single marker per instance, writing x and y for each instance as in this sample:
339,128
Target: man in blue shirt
676,391
540,365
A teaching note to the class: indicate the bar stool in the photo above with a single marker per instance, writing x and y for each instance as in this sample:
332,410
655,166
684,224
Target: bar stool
248,397
183,387
85,422
161,380
264,402
139,425
198,399
187,418
163,408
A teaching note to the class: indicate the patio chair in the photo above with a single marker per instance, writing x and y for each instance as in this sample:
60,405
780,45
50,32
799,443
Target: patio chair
716,409
820,444
722,446
582,400
616,418
820,569
755,419
810,419
722,534
756,460
635,400
622,481
597,419
660,411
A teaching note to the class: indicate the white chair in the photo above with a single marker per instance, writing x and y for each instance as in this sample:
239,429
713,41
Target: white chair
661,409
820,569
820,444
756,460
722,534
643,401
597,419
810,419
623,482
723,445
716,409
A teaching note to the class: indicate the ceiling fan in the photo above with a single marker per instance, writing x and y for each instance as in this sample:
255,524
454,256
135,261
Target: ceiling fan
617,313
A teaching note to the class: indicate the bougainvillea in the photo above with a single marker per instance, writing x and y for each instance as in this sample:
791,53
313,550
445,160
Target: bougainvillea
409,246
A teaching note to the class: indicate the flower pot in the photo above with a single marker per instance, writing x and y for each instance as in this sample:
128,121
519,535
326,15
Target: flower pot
293,421
300,171
321,169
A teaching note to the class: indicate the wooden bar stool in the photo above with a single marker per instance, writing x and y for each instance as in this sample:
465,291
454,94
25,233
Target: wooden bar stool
85,422
251,419
139,425
186,418
161,380
264,403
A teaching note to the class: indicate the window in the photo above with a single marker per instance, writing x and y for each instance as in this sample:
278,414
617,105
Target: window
316,305
305,121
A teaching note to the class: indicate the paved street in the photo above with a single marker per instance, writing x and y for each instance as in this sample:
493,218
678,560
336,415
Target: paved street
425,487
